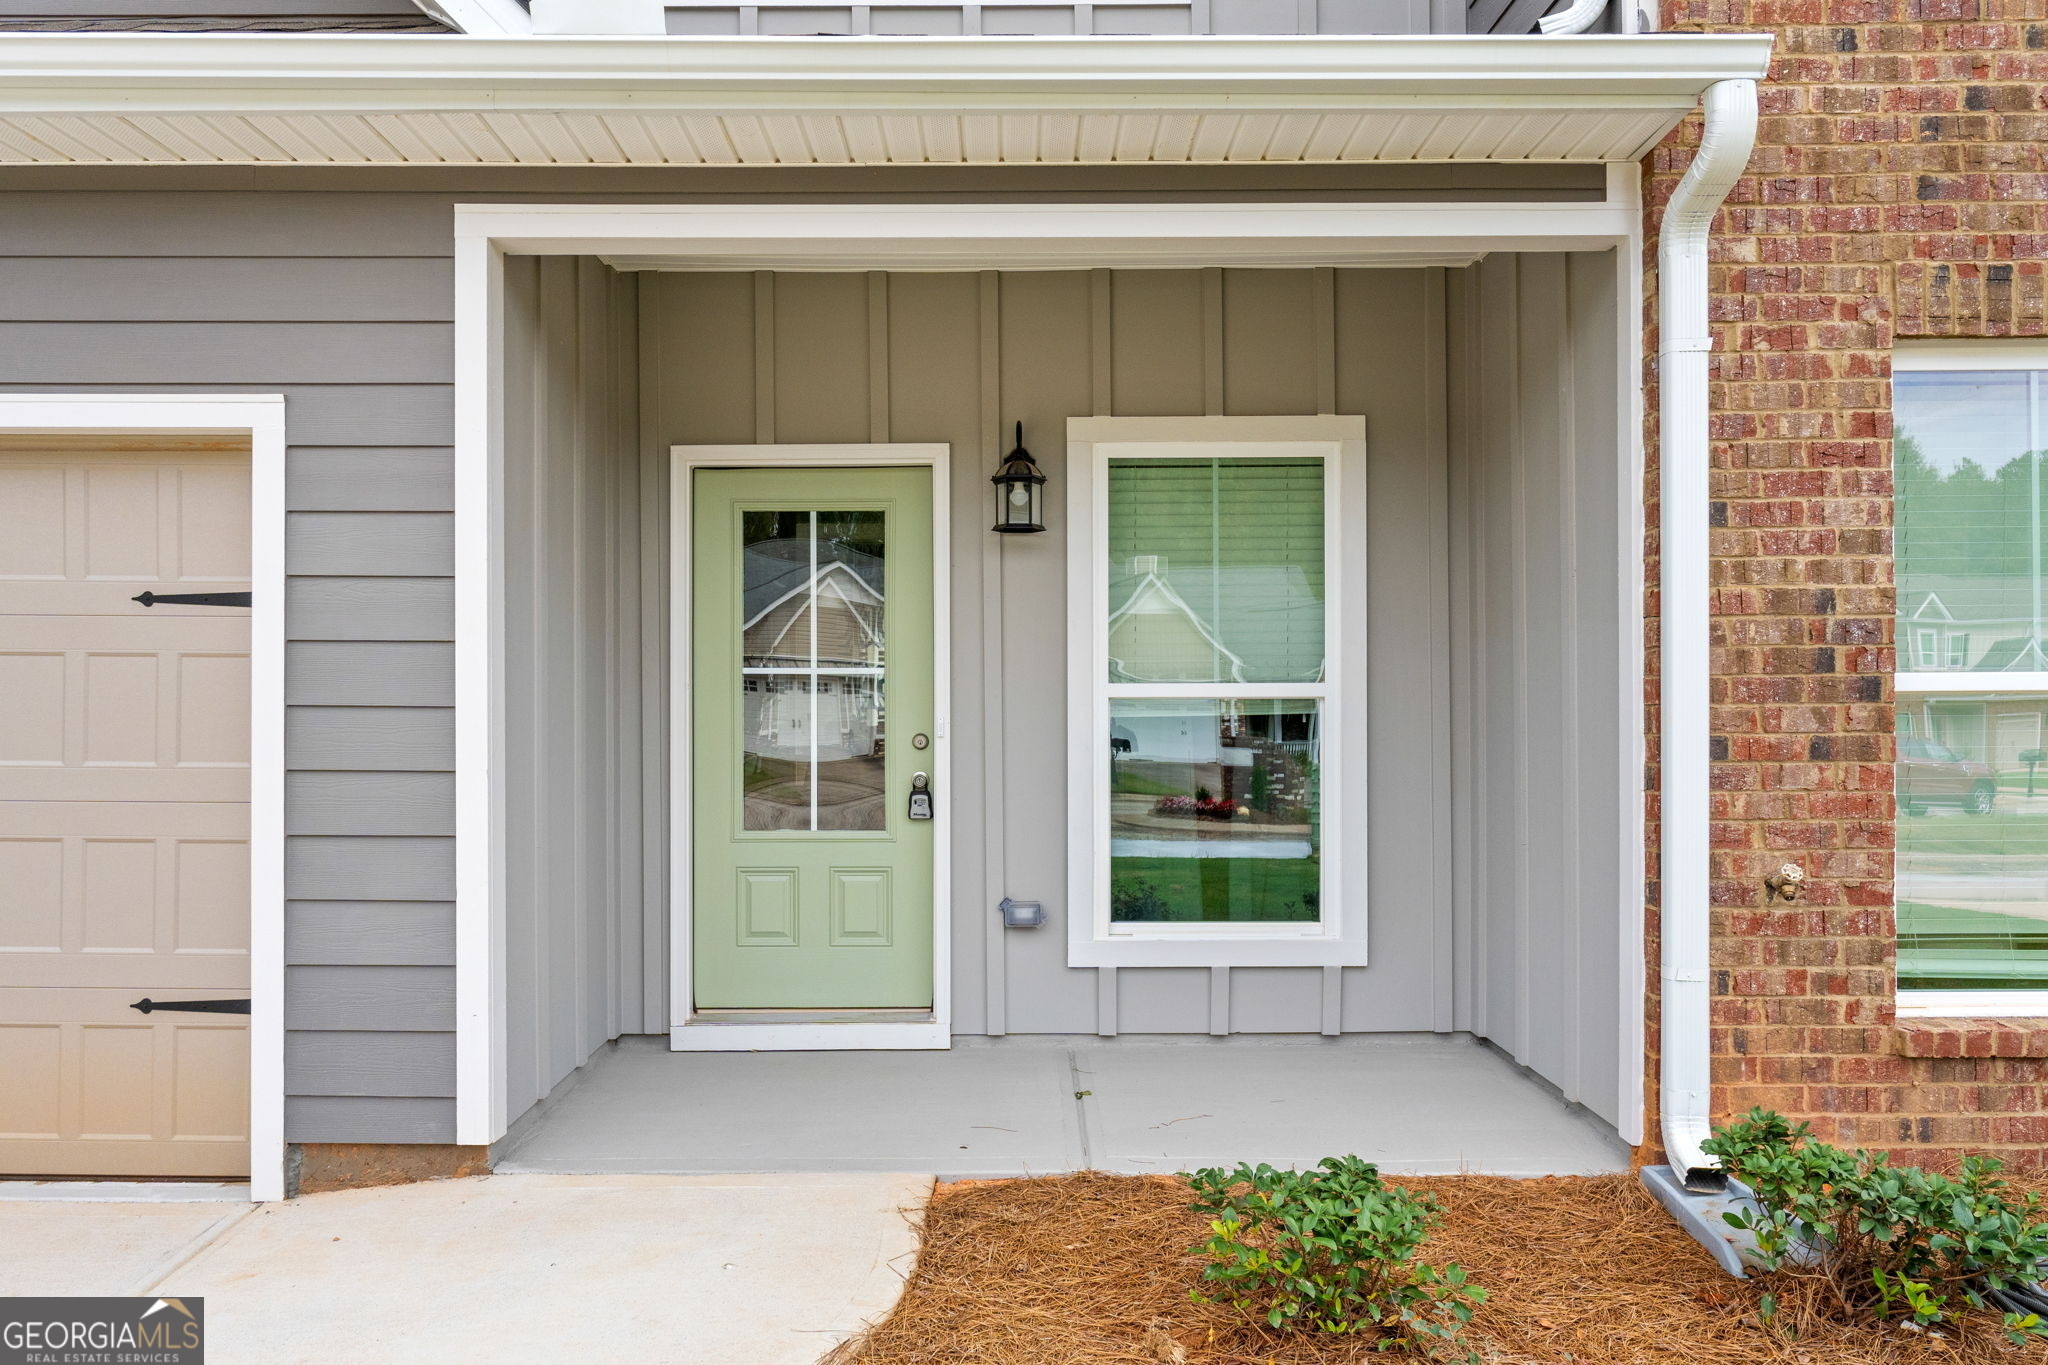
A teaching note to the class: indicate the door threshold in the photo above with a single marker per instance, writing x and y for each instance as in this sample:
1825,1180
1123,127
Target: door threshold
729,1018
808,1031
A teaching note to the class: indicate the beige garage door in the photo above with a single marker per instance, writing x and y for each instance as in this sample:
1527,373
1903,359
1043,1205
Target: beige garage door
124,816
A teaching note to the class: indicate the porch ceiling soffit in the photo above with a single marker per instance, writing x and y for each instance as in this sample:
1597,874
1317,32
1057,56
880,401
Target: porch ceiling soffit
393,99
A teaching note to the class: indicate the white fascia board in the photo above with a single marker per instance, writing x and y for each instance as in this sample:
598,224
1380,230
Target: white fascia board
144,73
1032,236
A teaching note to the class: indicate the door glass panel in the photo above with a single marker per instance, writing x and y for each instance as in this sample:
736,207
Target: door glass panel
775,771
1215,810
813,659
850,765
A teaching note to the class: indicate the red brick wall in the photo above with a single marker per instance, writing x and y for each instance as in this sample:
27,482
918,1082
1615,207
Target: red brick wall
1898,188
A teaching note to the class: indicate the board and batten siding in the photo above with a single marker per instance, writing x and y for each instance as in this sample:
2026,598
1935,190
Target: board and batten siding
1173,17
1545,523
958,358
583,959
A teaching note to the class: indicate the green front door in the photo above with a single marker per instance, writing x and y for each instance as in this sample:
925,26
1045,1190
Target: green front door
812,716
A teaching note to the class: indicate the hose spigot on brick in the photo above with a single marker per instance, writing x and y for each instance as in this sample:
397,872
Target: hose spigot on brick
1786,883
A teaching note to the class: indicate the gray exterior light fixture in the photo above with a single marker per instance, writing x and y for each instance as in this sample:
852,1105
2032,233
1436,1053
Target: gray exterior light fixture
1020,491
1022,914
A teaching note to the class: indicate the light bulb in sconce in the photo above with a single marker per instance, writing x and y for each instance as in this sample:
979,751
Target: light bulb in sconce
1020,484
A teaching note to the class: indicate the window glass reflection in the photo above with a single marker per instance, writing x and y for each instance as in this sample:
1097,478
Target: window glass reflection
1971,504
813,668
1215,570
1972,870
1214,810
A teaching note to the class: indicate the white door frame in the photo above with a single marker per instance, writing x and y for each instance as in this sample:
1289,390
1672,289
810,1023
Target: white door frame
259,418
941,236
847,1030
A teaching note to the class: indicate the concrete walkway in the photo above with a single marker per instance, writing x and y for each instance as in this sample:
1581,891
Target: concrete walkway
717,1270
1418,1104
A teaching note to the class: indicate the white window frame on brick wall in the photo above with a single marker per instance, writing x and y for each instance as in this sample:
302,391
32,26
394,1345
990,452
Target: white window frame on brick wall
1961,354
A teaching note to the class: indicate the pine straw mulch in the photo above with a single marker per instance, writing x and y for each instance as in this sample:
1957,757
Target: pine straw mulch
1094,1269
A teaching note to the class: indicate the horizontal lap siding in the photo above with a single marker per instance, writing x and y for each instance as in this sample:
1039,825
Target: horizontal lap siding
343,303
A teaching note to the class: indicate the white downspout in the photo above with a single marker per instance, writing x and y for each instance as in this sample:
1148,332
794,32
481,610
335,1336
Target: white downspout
1683,344
1576,17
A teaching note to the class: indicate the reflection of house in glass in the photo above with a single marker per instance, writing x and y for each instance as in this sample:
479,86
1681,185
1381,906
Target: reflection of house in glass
1214,800
813,651
1979,623
1243,623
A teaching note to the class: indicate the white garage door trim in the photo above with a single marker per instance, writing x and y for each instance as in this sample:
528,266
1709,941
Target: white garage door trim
259,417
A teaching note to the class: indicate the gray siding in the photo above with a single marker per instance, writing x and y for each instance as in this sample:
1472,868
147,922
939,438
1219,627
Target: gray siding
957,358
369,667
1330,17
201,16
1200,16
340,301
1543,504
1188,16
576,953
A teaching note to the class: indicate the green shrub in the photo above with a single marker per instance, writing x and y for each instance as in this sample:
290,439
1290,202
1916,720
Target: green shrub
1330,1250
1891,1242
1134,899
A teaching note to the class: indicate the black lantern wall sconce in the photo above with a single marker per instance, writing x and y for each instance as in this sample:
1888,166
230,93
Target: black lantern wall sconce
1020,491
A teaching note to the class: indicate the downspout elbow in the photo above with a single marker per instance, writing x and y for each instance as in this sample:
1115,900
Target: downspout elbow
1578,17
1685,1092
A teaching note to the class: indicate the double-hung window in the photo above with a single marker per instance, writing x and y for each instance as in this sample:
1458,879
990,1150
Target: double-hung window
1208,584
1971,549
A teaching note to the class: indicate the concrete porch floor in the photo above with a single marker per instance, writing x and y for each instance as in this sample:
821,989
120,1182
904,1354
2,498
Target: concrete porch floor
1418,1104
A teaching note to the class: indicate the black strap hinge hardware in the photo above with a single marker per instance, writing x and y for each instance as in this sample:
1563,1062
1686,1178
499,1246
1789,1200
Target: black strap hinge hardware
196,599
192,1006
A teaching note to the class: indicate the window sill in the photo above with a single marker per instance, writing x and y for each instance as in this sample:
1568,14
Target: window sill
2020,1037
1166,951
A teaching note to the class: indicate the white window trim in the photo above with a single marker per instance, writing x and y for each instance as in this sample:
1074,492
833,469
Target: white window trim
259,417
1970,353
1972,1004
1917,683
1338,939
1952,355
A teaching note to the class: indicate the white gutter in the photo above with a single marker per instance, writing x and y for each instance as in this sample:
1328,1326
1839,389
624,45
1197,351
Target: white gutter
157,72
1683,346
1579,16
